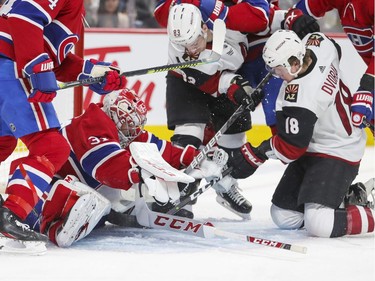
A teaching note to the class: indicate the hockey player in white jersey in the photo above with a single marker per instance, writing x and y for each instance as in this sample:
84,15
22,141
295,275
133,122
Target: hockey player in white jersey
316,138
207,95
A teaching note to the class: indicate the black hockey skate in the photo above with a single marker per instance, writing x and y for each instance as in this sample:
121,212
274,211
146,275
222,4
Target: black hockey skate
234,201
11,227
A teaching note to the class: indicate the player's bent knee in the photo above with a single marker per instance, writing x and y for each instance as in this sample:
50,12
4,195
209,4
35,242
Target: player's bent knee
48,146
286,219
319,220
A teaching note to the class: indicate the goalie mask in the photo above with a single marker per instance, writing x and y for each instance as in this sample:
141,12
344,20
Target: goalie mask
128,113
280,47
185,25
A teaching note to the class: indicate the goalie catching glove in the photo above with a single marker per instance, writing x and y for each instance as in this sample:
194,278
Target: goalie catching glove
112,80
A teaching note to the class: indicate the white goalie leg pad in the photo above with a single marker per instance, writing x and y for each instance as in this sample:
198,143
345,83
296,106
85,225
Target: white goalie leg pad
84,215
286,219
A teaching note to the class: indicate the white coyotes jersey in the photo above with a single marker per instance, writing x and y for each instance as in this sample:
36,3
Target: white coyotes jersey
319,103
219,73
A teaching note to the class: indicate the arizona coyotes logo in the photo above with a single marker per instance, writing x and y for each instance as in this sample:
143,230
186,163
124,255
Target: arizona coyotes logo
291,92
314,40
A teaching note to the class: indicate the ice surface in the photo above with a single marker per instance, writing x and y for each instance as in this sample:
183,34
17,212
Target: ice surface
115,253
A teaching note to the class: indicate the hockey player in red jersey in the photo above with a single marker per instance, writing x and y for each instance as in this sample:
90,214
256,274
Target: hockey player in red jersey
315,138
101,158
36,39
357,19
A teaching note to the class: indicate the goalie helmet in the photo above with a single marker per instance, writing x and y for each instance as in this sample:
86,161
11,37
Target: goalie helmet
280,47
128,112
184,24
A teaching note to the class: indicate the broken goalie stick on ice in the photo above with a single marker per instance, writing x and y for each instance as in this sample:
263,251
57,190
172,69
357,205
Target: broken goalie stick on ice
219,31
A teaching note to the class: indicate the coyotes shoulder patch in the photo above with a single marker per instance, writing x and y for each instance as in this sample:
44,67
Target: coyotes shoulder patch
314,40
291,92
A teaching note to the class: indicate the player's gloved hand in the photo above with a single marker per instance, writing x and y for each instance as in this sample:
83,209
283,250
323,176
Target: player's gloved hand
42,79
112,79
244,161
361,107
300,23
211,167
210,9
356,195
240,92
162,191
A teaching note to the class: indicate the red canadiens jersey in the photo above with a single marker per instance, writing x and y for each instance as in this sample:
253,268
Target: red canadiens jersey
255,12
30,28
252,17
357,19
96,156
313,110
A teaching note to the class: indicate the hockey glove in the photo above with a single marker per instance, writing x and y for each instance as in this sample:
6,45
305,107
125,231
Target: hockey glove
162,191
362,107
42,79
211,167
112,80
240,92
356,195
300,23
210,9
245,161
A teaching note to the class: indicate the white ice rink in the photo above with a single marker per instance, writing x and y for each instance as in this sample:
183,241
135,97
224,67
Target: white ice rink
115,253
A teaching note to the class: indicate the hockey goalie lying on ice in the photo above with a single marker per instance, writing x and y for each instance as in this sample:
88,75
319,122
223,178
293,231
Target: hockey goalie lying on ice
101,159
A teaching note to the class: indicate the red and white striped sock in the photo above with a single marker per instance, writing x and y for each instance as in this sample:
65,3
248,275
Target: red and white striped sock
360,219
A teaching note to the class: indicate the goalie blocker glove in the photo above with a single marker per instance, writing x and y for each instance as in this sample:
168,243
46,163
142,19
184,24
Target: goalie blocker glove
300,23
240,92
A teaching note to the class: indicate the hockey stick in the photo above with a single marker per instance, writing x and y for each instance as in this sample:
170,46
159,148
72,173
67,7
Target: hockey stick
241,109
203,186
219,31
203,153
148,218
368,124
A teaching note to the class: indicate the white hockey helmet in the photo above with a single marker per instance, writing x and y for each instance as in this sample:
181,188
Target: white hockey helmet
128,112
280,47
184,24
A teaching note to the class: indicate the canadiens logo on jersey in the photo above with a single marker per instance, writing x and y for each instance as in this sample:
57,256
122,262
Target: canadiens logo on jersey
291,92
314,40
362,39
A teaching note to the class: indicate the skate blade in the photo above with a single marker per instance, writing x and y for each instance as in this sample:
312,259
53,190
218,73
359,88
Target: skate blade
17,247
226,205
